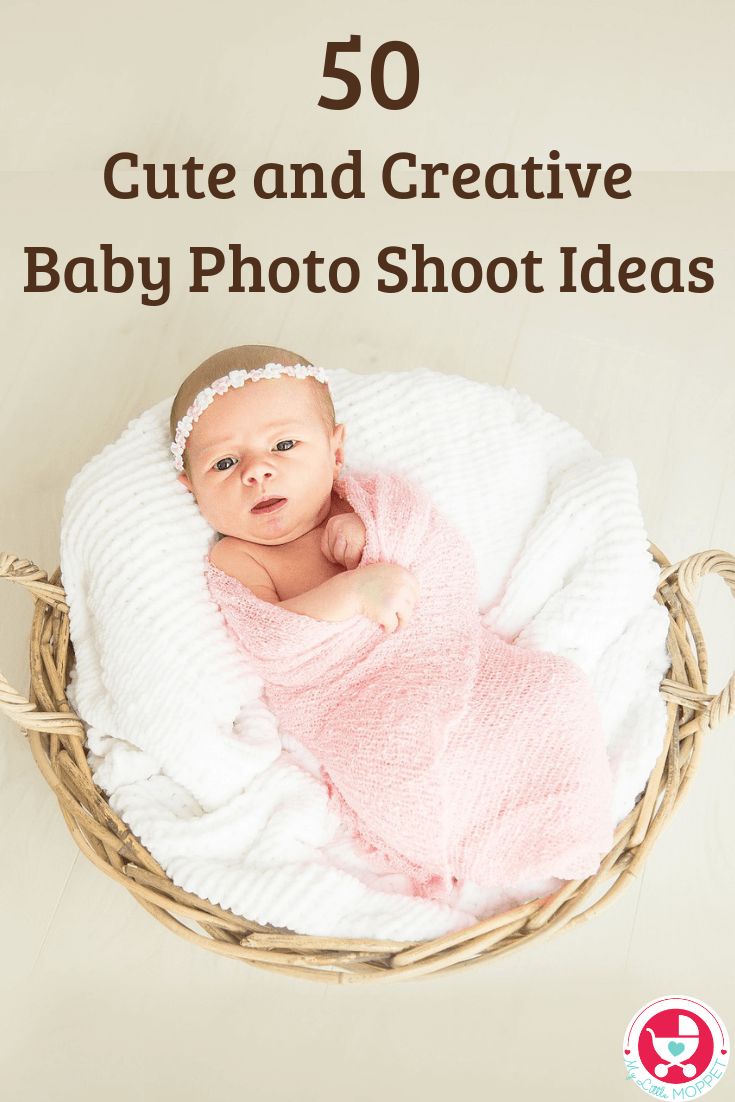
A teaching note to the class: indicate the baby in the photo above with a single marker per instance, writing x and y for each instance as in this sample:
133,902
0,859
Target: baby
261,462
452,754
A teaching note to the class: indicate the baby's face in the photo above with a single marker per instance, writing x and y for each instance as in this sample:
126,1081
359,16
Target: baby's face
265,438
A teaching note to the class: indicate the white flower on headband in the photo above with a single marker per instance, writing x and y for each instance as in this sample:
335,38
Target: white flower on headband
237,378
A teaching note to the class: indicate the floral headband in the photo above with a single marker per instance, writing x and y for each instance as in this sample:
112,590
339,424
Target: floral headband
235,378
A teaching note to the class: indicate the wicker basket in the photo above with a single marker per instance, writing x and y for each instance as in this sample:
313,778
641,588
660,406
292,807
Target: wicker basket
56,737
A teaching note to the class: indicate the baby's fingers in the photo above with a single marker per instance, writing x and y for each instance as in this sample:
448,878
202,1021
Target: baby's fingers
339,550
353,555
326,546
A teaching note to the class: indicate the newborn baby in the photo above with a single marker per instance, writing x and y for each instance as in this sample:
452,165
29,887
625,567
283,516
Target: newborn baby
451,754
261,463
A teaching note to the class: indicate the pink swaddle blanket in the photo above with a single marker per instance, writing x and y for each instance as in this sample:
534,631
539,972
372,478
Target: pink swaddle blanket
452,754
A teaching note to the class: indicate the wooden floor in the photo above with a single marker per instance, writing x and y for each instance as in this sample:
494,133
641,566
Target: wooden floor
98,1000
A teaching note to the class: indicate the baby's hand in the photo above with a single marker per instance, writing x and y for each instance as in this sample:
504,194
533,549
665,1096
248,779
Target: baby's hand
387,594
343,539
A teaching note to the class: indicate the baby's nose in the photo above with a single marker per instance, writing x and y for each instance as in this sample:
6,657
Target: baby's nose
255,469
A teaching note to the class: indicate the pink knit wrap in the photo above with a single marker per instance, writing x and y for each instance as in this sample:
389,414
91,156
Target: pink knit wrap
452,754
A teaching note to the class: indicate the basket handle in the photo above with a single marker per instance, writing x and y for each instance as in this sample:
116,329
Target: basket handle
12,703
688,572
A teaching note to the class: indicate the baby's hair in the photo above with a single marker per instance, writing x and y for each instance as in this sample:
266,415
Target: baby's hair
245,357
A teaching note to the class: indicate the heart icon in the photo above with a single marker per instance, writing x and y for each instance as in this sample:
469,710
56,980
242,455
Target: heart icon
675,1047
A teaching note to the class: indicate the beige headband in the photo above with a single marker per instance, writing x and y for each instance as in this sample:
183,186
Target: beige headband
206,396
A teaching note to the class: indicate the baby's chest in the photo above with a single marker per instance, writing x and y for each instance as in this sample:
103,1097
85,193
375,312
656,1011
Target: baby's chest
296,571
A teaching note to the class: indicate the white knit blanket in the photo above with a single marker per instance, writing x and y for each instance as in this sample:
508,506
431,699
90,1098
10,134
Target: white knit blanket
178,736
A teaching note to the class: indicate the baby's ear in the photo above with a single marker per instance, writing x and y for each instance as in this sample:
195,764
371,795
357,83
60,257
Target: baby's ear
338,438
184,480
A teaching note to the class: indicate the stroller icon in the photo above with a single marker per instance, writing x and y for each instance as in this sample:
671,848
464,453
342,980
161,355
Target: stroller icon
682,1047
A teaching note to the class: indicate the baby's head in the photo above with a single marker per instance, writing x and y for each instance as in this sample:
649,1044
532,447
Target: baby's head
267,437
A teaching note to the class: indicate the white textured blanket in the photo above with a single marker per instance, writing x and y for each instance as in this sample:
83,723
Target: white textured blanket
178,736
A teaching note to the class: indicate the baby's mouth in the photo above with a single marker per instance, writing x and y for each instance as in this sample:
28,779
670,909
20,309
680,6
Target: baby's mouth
268,504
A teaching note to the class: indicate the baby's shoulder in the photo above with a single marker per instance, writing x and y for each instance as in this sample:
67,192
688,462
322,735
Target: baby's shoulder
222,550
230,550
231,555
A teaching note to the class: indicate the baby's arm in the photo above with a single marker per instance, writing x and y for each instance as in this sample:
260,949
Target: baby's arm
336,599
384,592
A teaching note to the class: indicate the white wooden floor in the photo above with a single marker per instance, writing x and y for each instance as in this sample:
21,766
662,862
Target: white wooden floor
97,1000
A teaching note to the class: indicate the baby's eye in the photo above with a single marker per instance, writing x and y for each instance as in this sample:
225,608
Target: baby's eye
228,459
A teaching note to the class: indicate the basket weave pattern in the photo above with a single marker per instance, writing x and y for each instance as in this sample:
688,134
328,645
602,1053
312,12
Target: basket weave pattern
56,736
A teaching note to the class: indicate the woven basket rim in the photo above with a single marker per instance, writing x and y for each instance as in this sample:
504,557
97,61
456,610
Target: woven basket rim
56,737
